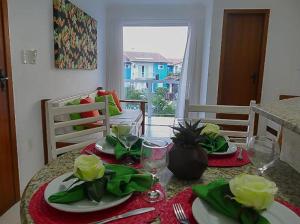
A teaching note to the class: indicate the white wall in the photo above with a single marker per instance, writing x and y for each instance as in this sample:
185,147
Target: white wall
154,14
282,64
31,27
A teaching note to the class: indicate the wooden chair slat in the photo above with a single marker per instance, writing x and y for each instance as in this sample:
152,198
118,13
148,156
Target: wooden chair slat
227,109
79,121
75,146
52,110
219,109
60,138
77,108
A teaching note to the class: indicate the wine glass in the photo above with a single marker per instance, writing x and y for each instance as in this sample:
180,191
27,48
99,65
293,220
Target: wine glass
127,134
154,159
262,152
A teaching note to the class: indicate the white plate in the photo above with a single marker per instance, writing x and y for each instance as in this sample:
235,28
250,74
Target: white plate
103,146
231,149
57,185
276,214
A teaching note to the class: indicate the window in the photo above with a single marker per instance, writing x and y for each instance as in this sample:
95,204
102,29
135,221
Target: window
127,65
160,66
143,71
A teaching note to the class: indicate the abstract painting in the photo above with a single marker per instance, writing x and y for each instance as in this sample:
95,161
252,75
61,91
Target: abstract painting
75,37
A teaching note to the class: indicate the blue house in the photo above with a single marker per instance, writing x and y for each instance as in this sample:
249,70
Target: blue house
146,65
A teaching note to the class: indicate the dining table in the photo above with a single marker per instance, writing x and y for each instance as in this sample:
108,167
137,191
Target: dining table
285,177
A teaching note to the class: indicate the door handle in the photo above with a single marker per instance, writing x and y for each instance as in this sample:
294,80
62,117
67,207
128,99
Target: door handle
3,79
254,77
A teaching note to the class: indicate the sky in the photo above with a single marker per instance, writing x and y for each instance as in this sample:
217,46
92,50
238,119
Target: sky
168,41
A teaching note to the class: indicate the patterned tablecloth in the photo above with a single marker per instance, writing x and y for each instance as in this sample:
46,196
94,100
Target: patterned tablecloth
287,180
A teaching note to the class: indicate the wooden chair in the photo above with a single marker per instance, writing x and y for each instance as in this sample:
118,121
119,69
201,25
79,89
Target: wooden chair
273,130
58,143
239,137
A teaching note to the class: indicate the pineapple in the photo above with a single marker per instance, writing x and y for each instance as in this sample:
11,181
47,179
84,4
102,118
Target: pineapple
188,135
187,159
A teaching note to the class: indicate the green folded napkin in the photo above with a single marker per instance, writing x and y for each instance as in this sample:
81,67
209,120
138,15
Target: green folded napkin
123,180
218,195
121,151
215,144
127,180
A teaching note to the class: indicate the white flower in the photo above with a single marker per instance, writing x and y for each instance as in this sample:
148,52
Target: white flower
253,191
88,167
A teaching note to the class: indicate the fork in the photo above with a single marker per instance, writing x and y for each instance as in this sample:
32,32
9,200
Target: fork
240,155
180,215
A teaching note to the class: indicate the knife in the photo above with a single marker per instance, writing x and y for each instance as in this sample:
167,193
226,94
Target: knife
125,215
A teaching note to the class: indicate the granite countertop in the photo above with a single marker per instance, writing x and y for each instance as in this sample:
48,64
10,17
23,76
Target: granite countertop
286,178
283,112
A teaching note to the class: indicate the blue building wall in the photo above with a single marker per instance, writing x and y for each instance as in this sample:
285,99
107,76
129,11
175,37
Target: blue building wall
160,73
170,68
127,70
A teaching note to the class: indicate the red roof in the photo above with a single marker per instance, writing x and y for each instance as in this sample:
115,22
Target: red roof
144,57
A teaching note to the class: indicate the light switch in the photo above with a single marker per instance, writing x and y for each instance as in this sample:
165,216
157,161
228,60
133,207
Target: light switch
29,56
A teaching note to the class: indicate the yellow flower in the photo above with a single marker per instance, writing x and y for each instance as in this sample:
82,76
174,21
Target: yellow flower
88,167
253,191
212,130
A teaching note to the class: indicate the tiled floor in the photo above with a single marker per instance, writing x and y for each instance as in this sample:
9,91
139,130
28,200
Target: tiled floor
12,216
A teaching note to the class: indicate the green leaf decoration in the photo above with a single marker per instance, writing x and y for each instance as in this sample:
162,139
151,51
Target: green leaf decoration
219,197
95,189
65,197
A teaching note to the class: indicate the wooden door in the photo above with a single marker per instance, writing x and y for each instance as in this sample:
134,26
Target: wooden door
9,182
244,42
243,56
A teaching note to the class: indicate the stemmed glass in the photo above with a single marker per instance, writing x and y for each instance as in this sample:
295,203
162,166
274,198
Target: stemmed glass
127,134
262,152
154,159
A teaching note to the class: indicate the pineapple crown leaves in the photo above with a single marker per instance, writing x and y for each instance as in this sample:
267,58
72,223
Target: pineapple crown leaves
188,134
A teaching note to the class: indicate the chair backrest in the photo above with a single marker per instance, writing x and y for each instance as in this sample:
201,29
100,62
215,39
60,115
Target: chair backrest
272,130
54,139
240,137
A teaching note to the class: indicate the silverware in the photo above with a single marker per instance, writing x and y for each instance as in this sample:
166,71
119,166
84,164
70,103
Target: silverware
180,215
125,215
240,155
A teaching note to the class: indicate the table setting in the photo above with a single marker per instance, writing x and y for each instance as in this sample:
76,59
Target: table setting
198,178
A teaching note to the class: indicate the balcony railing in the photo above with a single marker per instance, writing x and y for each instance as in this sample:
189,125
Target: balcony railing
161,95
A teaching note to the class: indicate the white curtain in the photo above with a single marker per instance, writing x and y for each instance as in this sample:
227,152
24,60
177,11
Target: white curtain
115,66
183,81
190,82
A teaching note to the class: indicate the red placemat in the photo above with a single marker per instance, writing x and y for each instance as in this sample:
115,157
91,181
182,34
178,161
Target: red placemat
185,198
213,161
228,160
105,157
42,213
